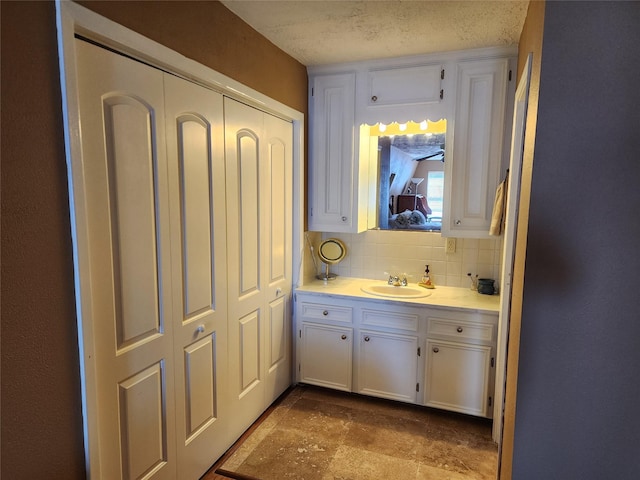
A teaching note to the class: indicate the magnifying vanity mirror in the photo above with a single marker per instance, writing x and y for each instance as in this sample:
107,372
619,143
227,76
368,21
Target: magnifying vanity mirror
331,251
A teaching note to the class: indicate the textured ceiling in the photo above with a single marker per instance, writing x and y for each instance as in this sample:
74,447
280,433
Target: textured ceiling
318,32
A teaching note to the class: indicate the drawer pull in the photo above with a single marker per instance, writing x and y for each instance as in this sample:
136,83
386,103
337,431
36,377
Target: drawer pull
436,349
325,313
374,99
459,329
343,337
366,339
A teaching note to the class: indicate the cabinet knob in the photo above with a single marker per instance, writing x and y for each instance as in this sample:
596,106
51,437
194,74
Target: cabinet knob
458,222
325,313
200,329
344,219
436,349
374,99
343,337
366,339
459,329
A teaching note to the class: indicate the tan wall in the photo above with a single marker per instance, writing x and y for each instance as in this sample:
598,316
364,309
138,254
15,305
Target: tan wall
530,42
41,409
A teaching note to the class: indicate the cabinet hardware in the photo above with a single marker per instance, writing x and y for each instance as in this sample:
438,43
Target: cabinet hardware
509,75
442,74
312,91
344,219
300,331
417,387
374,99
441,94
366,339
200,329
418,351
458,222
493,361
325,313
343,337
436,349
459,329
490,401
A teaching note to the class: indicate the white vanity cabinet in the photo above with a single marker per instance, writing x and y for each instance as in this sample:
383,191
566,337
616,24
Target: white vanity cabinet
325,339
479,151
334,172
438,357
460,359
387,352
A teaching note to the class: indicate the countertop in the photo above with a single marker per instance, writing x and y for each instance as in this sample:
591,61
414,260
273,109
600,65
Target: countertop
442,297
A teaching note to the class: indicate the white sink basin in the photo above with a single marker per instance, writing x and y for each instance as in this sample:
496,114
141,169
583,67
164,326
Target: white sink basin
386,290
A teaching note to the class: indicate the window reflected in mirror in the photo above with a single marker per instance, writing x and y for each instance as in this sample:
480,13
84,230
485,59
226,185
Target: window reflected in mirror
409,161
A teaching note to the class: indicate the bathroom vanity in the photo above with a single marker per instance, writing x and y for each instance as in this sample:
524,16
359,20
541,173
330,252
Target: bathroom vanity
436,350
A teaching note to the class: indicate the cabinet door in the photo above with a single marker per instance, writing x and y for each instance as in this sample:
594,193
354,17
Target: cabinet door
473,174
400,86
457,377
332,189
387,365
325,356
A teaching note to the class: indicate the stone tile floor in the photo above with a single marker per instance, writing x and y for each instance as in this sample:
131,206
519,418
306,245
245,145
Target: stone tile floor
319,434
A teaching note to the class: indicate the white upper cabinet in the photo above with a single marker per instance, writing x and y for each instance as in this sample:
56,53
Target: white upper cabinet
399,86
474,164
333,201
470,89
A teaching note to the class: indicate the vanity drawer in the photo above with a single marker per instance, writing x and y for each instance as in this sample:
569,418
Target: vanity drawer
395,320
326,312
460,330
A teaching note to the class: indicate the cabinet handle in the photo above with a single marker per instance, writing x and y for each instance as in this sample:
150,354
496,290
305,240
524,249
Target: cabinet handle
200,329
436,349
366,339
325,313
343,337
458,222
374,99
459,329
344,219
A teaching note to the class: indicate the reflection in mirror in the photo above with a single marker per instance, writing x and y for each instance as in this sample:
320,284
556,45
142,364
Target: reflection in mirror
410,174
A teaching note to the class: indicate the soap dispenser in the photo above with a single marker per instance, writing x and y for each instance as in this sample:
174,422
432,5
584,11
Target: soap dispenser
426,279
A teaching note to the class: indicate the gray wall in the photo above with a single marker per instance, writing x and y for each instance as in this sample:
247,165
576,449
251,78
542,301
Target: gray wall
578,397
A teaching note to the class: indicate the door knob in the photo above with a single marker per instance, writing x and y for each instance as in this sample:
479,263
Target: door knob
278,292
200,329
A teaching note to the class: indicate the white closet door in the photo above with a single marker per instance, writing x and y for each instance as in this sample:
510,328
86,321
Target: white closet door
125,204
195,151
259,212
278,186
246,244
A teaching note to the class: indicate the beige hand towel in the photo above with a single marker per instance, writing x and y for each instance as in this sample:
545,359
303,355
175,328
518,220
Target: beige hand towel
499,207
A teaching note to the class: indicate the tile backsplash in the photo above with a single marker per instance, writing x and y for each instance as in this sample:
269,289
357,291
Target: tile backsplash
372,253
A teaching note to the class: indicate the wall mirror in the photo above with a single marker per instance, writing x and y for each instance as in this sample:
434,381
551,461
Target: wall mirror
410,173
331,251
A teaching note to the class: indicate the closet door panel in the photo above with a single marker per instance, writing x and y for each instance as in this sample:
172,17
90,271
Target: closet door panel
195,150
278,226
246,258
124,214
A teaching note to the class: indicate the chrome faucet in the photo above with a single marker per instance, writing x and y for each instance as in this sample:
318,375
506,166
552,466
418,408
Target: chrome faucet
396,281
